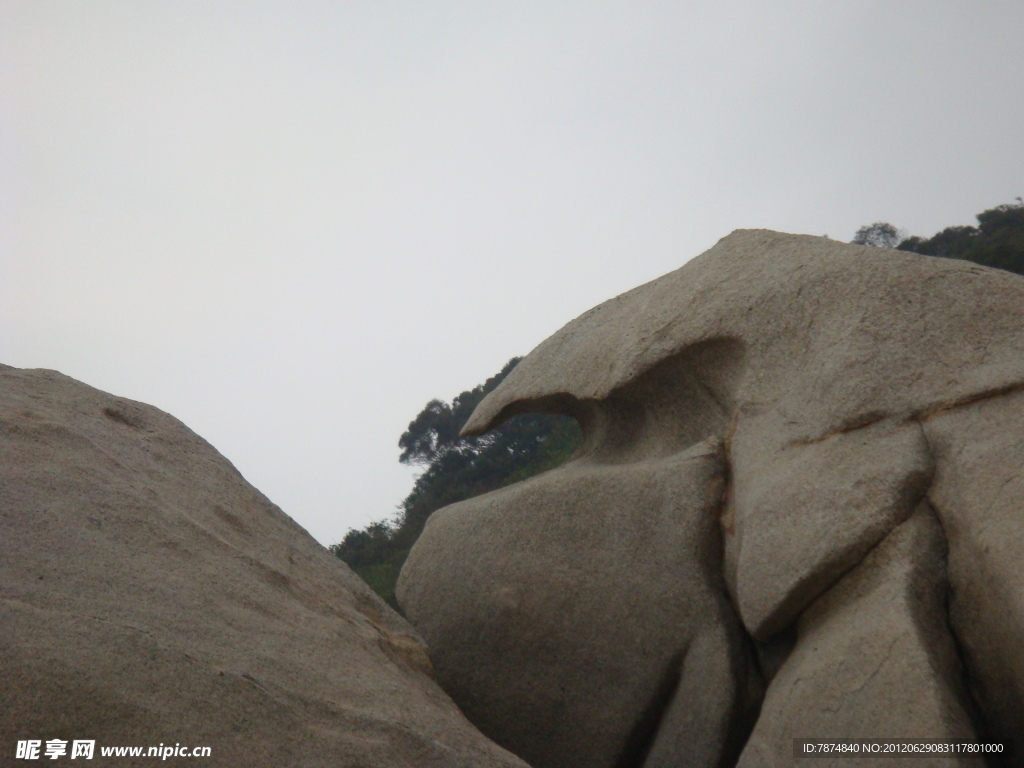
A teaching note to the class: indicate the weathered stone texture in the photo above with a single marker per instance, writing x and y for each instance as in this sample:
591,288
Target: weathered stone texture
149,594
869,408
874,658
567,618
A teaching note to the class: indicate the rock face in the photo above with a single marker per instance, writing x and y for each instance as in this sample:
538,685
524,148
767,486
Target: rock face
853,546
582,617
875,656
150,595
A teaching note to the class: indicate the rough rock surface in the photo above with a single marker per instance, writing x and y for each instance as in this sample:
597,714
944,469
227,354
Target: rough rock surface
979,494
591,615
823,518
875,659
868,403
149,594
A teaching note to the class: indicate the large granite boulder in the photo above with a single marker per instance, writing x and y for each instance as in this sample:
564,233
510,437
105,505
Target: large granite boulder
809,451
149,595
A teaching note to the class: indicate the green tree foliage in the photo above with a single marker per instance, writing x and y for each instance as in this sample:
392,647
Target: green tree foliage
454,469
881,234
997,241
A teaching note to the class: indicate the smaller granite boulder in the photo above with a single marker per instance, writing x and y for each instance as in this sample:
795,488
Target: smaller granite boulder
149,594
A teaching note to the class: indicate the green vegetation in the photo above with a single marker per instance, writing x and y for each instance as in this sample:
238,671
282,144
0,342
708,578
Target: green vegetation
997,241
454,468
881,234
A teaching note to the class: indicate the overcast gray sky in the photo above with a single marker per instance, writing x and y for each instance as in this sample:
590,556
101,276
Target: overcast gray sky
291,224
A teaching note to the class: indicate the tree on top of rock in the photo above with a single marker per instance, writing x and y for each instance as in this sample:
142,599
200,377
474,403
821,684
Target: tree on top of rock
997,241
454,468
881,234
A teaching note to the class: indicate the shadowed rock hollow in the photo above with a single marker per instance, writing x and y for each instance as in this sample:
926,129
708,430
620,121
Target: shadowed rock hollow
798,512
149,594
